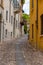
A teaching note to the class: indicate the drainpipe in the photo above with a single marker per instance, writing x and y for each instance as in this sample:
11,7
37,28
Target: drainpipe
36,21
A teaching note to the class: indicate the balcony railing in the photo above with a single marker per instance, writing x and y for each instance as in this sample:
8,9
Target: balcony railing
16,5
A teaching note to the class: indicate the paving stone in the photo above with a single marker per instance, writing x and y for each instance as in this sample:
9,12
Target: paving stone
19,52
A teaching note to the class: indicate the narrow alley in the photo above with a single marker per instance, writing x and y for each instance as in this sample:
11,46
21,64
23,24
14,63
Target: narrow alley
19,52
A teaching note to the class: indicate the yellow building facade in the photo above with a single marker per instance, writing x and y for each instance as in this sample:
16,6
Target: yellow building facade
36,24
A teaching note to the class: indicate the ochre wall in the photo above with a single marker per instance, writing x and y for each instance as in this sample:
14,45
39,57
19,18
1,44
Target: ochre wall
40,12
33,21
37,41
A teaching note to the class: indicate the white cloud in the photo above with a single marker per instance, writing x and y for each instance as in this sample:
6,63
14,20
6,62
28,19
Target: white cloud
26,6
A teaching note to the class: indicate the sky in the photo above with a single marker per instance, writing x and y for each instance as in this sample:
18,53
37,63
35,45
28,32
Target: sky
26,6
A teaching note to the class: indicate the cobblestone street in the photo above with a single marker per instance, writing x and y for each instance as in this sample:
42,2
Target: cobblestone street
19,52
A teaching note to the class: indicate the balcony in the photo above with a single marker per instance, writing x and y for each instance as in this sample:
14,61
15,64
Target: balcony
16,6
1,3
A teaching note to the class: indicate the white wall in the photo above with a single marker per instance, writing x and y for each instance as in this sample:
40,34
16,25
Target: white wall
1,12
17,29
22,30
7,24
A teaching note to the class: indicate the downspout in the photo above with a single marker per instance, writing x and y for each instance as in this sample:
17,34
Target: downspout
36,21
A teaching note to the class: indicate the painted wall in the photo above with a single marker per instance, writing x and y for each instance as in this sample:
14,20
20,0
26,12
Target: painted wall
33,22
7,23
1,23
37,40
17,25
40,12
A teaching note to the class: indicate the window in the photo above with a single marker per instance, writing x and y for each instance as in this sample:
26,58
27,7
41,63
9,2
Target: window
0,17
16,23
6,33
32,3
6,15
42,24
11,19
32,31
11,34
16,4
